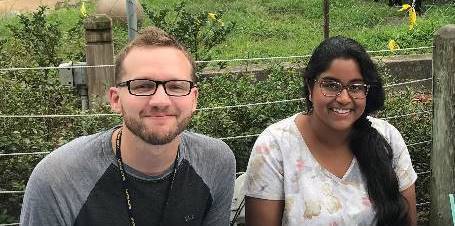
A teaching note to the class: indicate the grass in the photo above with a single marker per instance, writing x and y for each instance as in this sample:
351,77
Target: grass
293,27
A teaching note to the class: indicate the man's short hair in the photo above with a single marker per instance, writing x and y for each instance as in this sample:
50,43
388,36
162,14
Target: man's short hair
152,37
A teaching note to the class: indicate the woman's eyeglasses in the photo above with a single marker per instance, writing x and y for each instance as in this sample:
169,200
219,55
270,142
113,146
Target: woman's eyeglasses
331,88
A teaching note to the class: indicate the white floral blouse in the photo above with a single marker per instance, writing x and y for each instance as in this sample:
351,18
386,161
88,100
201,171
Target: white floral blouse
282,168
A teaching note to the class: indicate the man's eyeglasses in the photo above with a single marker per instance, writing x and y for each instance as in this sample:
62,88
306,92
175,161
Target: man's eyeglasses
331,88
146,87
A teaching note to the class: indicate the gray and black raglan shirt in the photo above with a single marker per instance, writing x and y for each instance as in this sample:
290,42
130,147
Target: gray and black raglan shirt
79,184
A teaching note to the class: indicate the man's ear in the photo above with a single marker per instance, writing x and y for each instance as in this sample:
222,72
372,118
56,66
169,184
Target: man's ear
114,100
195,92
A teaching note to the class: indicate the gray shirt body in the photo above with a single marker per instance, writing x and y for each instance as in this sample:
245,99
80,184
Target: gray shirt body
79,184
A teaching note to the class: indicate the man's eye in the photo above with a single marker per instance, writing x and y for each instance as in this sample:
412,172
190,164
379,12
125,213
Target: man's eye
143,86
176,86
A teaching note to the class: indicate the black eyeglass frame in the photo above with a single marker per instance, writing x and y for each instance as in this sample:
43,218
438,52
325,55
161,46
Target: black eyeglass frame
343,87
127,84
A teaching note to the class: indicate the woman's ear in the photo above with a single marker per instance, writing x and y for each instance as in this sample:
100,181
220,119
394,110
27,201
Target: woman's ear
310,97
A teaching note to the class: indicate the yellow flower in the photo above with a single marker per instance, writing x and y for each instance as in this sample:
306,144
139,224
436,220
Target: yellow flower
83,10
393,45
412,18
404,7
211,16
412,15
221,22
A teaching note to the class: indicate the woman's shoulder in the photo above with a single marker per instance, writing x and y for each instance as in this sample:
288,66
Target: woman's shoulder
383,127
284,125
389,132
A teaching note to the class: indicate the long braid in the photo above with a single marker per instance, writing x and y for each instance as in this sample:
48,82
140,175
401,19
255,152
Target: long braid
374,156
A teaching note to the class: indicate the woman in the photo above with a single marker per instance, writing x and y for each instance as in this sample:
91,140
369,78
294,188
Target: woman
333,165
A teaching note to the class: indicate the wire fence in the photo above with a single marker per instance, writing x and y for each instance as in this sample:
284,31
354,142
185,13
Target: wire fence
271,58
205,109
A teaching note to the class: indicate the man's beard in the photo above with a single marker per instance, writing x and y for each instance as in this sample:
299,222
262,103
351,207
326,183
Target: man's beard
151,136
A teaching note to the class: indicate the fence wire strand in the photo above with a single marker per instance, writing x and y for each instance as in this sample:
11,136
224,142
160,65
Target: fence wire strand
405,115
408,82
204,61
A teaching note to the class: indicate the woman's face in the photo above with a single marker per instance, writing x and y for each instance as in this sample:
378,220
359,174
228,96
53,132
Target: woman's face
339,110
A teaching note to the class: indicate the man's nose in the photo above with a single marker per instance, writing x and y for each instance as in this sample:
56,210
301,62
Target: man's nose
160,97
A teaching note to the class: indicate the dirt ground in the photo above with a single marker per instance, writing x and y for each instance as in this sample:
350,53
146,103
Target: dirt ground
8,7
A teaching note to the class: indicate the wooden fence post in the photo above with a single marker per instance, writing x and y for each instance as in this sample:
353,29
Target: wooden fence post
326,13
443,152
99,51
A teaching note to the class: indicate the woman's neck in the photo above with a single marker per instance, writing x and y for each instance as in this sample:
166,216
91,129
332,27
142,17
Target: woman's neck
323,133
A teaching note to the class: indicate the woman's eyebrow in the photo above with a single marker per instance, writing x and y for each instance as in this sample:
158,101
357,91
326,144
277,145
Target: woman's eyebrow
329,78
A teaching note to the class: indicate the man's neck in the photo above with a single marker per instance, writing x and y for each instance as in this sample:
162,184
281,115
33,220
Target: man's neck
152,160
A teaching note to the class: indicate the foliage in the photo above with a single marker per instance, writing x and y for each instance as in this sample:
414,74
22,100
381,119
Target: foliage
4,217
75,39
34,92
40,36
235,89
200,32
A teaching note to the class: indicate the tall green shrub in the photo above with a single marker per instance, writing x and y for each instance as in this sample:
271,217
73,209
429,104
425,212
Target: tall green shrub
200,31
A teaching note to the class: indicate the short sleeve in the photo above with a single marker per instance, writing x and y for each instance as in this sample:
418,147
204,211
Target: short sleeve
40,206
218,213
401,159
264,175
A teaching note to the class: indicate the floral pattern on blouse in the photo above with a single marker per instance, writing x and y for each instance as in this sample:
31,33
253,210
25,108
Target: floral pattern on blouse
282,168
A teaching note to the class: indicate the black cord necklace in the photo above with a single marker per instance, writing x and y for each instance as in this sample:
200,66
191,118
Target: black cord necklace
118,155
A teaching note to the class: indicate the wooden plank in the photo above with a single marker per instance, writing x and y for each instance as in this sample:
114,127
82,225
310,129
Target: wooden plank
443,151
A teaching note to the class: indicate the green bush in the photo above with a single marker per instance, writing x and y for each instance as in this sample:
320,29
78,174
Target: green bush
34,92
200,31
39,36
231,89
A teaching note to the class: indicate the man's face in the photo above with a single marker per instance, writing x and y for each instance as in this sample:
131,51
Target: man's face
159,118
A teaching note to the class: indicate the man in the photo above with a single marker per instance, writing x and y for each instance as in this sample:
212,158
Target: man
148,171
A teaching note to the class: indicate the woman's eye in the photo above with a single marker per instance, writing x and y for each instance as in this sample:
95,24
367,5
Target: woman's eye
357,87
331,85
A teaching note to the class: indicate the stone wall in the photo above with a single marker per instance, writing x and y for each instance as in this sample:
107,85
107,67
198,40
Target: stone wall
403,67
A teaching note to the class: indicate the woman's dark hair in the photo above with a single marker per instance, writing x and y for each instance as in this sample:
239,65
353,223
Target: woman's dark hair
372,151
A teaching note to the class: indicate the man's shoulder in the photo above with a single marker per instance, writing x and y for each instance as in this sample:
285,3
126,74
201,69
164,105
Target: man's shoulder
62,181
80,146
214,162
75,155
198,143
210,157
